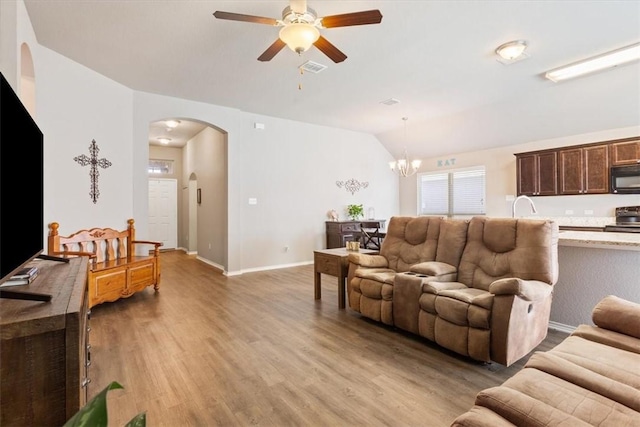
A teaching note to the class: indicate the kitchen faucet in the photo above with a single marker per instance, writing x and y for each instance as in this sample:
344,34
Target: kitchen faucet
513,207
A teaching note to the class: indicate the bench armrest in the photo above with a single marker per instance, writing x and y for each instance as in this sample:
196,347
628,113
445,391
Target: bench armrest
74,253
530,290
148,242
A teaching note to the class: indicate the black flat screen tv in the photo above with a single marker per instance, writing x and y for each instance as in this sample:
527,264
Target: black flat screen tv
21,184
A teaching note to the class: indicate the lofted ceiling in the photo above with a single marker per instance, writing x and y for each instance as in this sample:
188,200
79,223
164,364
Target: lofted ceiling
436,57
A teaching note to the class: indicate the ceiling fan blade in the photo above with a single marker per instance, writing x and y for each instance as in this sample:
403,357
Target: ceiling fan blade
245,18
298,6
355,18
330,50
272,50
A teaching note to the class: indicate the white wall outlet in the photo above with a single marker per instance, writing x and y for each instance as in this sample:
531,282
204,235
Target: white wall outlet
253,201
257,125
568,212
209,245
588,212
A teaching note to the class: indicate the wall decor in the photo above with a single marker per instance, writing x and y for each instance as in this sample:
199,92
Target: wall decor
352,185
83,160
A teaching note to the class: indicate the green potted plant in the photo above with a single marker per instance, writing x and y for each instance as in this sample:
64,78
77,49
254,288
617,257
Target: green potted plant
94,413
355,212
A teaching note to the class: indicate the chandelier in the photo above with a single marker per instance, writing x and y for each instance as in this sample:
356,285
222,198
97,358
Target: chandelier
405,167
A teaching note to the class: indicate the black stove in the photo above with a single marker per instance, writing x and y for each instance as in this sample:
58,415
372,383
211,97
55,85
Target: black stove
627,220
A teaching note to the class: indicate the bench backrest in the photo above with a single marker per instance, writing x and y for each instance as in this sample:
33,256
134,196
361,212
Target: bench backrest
105,243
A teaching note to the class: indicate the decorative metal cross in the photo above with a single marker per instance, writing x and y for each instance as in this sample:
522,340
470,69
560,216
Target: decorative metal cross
93,171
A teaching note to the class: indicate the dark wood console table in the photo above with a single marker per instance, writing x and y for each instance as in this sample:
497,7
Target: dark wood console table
44,348
341,232
334,262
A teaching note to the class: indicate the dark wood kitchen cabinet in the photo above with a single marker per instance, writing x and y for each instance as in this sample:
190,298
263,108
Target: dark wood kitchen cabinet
583,170
625,152
537,174
579,169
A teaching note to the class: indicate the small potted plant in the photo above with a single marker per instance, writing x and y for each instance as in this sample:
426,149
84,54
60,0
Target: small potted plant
355,212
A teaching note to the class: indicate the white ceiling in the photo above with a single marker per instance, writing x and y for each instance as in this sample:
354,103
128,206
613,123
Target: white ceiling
436,57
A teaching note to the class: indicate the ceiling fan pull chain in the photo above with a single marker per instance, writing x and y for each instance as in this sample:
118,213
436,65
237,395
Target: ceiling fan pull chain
300,82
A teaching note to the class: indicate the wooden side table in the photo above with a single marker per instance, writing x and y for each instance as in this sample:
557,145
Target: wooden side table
334,262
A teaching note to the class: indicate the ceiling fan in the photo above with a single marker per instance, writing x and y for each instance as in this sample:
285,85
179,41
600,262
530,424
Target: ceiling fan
301,28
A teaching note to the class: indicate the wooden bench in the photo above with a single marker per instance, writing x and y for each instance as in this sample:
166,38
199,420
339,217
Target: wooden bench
115,271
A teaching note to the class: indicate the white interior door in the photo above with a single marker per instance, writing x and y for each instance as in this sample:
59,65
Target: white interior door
163,212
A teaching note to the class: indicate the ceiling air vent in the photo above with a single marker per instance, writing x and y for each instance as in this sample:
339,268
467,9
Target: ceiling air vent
390,101
313,67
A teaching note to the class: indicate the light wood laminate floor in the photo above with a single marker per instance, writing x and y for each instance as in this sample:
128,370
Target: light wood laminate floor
257,349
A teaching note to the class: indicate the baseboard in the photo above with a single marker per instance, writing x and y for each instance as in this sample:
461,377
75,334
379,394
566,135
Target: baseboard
266,268
188,252
213,264
561,327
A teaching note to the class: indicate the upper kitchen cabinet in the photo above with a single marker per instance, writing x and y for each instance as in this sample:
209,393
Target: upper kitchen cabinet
625,151
579,169
537,174
583,170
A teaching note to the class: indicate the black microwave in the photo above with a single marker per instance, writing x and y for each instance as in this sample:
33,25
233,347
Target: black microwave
625,179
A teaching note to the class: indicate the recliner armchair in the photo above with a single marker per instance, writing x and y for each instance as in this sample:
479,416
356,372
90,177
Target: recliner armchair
498,309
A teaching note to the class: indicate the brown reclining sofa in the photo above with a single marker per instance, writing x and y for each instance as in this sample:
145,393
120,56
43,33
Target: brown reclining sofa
592,378
480,287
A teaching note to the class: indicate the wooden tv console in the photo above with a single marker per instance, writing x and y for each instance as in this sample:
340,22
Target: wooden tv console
44,347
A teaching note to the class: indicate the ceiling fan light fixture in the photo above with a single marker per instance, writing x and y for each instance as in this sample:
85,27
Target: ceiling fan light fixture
511,50
299,36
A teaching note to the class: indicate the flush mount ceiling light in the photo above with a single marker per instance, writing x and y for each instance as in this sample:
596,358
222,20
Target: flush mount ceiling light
172,124
164,140
512,51
597,63
403,166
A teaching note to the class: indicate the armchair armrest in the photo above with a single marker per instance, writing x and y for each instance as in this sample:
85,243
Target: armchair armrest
617,314
434,268
530,290
369,261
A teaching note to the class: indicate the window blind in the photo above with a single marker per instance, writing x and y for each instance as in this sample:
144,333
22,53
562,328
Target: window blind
450,193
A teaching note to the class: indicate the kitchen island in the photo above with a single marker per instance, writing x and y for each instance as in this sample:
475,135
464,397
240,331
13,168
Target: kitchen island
592,266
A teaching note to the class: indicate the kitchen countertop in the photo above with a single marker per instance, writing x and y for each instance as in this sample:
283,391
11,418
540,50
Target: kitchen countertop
598,239
571,235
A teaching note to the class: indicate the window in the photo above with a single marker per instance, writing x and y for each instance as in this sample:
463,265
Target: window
164,167
453,192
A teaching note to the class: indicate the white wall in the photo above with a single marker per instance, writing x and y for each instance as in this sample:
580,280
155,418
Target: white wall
290,167
500,166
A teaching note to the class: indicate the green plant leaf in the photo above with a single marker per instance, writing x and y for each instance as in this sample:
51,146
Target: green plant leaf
94,413
139,420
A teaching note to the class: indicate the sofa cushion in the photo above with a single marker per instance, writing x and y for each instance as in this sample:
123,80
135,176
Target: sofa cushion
433,268
410,240
585,378
523,410
465,307
613,362
607,337
499,248
554,397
